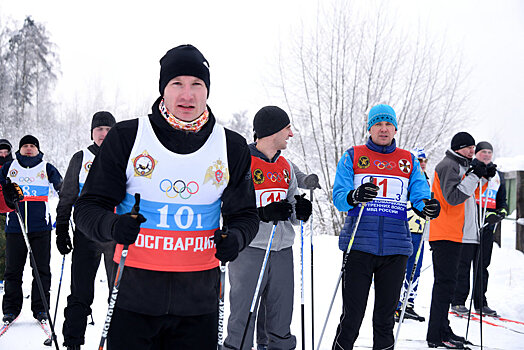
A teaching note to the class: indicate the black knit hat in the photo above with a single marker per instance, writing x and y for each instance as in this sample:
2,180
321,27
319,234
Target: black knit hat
183,60
29,140
461,140
483,145
5,144
269,120
102,118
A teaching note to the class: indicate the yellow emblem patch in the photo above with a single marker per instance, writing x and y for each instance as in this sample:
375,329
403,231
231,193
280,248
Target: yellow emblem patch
258,176
363,162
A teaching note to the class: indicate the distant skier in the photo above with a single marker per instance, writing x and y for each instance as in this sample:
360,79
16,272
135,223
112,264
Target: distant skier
497,209
188,170
34,176
382,242
416,227
86,253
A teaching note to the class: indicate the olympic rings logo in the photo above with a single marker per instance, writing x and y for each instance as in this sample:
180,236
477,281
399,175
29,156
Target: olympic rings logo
384,164
179,187
26,179
274,176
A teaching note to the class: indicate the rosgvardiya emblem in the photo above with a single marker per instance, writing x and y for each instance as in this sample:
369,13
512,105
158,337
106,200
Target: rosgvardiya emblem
144,165
363,162
87,166
258,176
218,173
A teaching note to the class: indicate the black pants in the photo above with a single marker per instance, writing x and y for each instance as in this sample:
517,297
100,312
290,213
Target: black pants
134,331
16,255
446,255
356,281
84,265
468,257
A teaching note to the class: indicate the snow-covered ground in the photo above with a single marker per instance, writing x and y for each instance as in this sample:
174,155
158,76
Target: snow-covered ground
505,294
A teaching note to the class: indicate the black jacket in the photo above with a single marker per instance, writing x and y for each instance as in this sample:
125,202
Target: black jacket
155,292
71,188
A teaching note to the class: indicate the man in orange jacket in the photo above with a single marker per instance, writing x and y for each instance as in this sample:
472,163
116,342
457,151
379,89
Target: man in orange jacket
454,184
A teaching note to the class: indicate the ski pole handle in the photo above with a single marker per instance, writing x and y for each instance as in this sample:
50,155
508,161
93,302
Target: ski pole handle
136,207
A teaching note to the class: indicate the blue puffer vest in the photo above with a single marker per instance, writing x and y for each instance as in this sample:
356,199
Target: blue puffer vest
377,235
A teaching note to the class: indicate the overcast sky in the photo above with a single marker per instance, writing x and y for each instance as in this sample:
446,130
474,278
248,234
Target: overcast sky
116,45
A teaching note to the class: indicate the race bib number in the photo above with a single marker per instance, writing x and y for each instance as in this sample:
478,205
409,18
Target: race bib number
391,200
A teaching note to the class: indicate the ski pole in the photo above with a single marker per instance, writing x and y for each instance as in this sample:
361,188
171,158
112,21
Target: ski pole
412,276
478,257
311,183
118,277
346,254
33,262
259,282
221,305
302,283
59,287
60,283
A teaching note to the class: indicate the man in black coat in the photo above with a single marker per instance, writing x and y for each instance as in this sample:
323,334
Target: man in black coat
87,253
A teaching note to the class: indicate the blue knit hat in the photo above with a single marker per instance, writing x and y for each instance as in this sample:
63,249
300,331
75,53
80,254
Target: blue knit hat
382,113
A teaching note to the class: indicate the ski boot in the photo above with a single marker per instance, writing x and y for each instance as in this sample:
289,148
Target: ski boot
41,316
459,309
487,311
448,344
9,318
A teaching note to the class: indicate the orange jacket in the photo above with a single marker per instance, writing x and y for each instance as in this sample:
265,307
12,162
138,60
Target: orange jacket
455,190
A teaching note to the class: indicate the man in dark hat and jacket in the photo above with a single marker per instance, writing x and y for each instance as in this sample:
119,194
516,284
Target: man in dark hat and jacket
189,171
86,253
34,176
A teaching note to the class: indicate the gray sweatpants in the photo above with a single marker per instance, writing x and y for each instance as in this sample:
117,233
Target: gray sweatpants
277,288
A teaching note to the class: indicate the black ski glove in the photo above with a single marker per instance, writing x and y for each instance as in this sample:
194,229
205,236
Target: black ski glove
363,194
303,208
493,217
63,240
431,209
478,168
12,193
311,182
276,211
491,171
126,228
227,245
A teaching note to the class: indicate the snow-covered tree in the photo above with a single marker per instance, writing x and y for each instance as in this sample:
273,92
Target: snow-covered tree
335,72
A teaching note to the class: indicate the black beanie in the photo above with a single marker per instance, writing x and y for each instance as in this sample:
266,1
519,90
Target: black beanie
483,145
102,118
29,140
5,144
269,120
183,60
461,140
